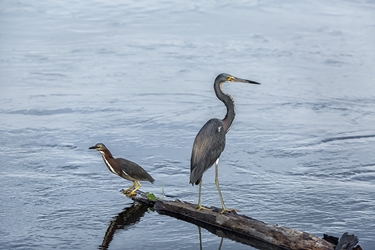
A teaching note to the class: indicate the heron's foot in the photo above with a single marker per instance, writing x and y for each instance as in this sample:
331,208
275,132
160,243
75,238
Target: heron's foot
126,191
230,210
132,193
200,207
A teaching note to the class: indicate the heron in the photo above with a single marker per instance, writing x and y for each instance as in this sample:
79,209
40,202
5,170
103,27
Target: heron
210,140
124,168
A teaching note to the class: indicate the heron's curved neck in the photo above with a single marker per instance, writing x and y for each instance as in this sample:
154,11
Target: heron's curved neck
106,153
108,160
229,103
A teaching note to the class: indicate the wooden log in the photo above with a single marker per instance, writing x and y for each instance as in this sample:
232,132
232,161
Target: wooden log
221,232
143,198
348,242
279,236
245,229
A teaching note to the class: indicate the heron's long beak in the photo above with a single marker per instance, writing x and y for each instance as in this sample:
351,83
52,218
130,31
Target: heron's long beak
245,81
93,147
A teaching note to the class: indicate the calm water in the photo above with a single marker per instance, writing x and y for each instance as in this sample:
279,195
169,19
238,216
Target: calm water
138,77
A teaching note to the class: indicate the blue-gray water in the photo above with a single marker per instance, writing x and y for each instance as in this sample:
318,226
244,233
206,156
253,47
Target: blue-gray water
138,76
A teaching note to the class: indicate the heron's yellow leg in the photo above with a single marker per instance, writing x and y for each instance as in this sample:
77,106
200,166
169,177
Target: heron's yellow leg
135,189
127,190
200,238
199,197
221,243
224,209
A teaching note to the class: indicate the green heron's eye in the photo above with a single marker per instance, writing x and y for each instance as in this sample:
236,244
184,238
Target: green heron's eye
230,78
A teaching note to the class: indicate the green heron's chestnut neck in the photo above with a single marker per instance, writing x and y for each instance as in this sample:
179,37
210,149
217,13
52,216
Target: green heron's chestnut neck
108,159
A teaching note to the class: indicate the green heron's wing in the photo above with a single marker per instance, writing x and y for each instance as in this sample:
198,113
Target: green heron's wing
134,171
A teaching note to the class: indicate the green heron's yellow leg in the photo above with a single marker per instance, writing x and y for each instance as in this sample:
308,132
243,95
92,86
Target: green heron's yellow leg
134,192
200,207
127,190
224,209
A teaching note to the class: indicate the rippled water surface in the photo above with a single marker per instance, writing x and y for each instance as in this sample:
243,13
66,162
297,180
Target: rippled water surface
138,76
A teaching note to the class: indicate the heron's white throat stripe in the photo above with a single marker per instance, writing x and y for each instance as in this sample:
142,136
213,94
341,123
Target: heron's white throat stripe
107,163
125,173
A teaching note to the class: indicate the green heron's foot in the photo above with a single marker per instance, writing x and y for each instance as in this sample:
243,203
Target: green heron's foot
126,191
132,193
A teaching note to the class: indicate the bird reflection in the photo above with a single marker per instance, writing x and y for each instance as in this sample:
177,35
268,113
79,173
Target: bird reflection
130,215
200,240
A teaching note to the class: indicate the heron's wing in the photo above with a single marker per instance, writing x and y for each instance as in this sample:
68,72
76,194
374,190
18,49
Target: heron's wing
208,145
134,171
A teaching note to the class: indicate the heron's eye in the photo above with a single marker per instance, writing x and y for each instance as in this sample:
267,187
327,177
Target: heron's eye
230,78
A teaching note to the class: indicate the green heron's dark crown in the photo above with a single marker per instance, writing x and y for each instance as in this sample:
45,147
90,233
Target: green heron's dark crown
98,146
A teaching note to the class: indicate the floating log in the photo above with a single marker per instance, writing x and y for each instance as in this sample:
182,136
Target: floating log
347,241
246,229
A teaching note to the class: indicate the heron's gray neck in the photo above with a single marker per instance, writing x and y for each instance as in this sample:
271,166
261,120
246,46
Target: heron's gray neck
229,103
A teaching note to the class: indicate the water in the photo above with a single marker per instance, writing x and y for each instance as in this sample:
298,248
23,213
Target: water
138,77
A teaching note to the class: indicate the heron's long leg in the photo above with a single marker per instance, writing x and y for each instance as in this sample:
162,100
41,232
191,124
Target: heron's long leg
221,243
127,190
135,189
139,186
224,209
217,184
199,196
200,238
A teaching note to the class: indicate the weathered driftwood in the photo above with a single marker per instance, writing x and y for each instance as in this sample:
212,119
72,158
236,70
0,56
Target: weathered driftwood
245,229
222,232
348,242
272,234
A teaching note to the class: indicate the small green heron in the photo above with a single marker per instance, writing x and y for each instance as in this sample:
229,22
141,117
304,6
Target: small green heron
126,169
210,140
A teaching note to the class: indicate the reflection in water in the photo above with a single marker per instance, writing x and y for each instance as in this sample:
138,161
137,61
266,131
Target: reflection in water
129,216
200,240
223,233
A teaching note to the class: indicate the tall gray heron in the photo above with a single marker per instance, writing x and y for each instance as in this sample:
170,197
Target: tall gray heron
210,140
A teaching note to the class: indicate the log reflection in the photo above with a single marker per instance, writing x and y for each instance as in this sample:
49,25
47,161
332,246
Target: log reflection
224,233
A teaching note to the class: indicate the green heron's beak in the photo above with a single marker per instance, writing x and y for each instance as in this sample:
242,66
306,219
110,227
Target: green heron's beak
93,147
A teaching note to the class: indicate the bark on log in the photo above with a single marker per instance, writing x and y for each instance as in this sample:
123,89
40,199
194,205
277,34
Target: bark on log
279,236
245,229
348,242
